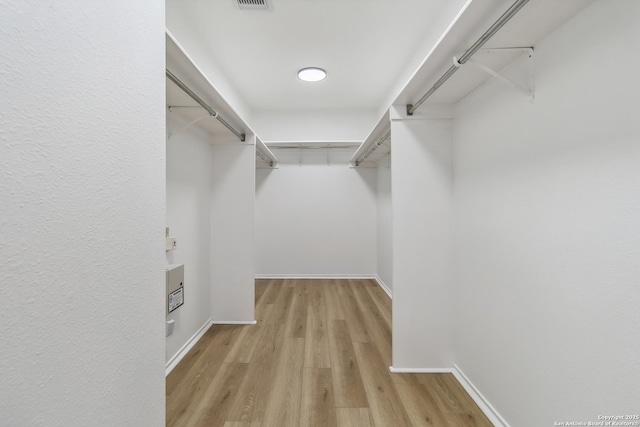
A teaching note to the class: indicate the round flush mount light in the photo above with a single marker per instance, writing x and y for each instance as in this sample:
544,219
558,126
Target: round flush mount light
312,74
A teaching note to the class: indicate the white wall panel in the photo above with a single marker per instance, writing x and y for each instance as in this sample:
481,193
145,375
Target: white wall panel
82,155
548,228
189,181
385,222
316,219
421,184
232,231
315,125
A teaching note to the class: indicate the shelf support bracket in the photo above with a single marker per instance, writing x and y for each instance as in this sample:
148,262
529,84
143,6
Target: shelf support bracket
527,90
187,126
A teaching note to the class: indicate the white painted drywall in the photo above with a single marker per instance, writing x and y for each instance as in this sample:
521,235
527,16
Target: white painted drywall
232,231
315,219
421,184
314,125
189,181
82,216
548,228
385,225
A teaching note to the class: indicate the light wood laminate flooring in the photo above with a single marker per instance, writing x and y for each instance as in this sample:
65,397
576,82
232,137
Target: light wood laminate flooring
319,356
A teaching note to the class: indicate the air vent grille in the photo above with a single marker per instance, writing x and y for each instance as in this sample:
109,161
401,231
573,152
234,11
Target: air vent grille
253,4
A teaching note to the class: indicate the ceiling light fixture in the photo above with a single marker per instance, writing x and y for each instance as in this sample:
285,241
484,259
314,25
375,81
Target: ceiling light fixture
312,74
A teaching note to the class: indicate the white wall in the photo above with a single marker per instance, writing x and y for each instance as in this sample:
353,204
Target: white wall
82,156
189,181
232,231
210,211
315,219
384,226
421,184
548,228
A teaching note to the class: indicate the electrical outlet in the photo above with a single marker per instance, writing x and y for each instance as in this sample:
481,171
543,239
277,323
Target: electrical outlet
170,324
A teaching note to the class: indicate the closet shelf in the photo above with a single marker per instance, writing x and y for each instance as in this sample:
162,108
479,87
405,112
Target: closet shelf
220,119
180,64
525,29
377,135
264,156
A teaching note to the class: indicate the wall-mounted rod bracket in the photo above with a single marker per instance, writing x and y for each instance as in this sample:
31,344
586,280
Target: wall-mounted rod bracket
410,110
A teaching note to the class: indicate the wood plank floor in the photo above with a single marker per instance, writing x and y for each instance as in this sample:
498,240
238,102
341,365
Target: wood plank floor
319,356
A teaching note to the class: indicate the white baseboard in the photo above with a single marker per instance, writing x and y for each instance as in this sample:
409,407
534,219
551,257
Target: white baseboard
234,322
484,405
420,370
315,276
173,362
384,287
480,400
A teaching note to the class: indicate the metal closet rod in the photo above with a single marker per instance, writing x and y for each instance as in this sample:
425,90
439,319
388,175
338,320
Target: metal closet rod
372,149
203,104
309,147
263,157
515,7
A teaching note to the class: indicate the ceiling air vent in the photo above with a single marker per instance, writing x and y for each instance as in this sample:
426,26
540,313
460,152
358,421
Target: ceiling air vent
253,4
